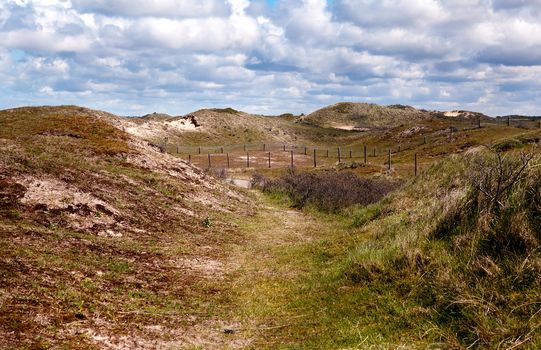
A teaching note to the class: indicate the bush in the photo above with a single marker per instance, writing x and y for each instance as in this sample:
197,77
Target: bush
329,191
507,144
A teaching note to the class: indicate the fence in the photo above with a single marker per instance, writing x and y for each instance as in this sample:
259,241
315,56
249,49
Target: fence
270,155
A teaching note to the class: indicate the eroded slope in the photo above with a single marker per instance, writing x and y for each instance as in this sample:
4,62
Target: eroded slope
105,241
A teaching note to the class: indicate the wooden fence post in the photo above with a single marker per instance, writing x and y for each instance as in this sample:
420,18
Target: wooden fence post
305,150
479,123
221,150
399,148
389,159
291,159
315,161
227,156
189,159
327,153
177,149
508,121
424,140
415,164
284,148
339,156
247,159
350,154
364,154
199,150
269,160
374,151
209,160
264,147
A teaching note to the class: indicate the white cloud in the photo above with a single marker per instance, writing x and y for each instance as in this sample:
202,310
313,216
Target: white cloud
41,41
155,8
391,13
292,56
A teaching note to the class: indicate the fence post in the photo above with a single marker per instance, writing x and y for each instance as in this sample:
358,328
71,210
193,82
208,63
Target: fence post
177,149
364,154
291,159
209,159
222,150
350,154
199,150
227,156
264,147
539,125
315,161
508,121
305,150
479,123
247,159
424,140
269,160
284,148
399,148
189,159
339,156
374,151
389,159
415,164
327,153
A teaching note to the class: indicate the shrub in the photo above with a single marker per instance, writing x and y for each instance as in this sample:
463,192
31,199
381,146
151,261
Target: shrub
507,144
329,191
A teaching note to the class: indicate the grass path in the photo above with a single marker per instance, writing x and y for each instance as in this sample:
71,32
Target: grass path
269,264
286,288
282,278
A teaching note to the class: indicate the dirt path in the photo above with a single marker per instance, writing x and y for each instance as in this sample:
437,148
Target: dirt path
264,267
258,271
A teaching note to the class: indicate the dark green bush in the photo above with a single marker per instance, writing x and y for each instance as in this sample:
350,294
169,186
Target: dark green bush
329,191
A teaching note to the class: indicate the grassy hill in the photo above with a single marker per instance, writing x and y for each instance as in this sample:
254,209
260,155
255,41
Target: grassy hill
103,238
365,116
227,126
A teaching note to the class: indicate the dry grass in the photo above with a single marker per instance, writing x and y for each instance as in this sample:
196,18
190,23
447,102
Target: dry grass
102,237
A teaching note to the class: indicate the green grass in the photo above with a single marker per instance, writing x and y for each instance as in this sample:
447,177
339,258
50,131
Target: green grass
380,277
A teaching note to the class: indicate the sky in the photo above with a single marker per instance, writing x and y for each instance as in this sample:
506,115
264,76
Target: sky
133,57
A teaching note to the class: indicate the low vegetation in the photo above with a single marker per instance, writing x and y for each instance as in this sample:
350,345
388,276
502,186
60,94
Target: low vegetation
450,260
328,191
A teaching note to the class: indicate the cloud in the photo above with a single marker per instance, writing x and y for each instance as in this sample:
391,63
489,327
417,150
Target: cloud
154,8
390,13
289,56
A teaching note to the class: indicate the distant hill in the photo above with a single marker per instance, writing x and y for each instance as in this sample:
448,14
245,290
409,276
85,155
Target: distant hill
466,115
152,116
518,116
366,116
222,126
328,125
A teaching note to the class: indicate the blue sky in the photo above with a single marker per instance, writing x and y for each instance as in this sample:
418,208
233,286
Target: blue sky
133,57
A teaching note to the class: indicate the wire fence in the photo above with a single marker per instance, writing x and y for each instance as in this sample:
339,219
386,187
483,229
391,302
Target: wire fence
273,155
